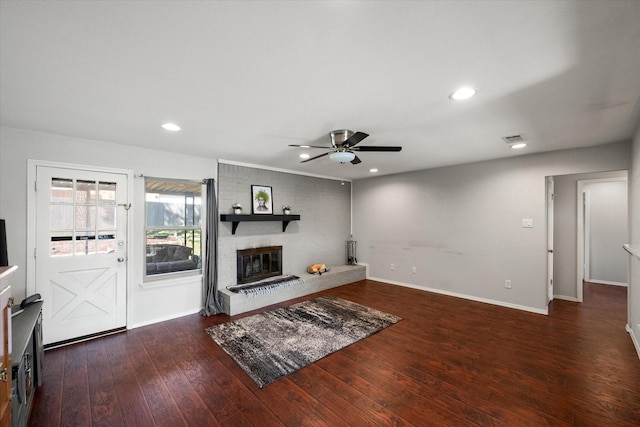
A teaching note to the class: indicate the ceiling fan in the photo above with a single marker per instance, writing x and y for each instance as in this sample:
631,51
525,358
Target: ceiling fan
343,147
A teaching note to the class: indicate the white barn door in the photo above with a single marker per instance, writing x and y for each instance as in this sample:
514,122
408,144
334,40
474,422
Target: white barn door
81,251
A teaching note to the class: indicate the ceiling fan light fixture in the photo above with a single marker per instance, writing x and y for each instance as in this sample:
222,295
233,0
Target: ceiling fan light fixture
304,156
342,156
338,137
462,93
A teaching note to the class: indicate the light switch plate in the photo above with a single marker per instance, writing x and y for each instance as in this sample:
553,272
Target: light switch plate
527,222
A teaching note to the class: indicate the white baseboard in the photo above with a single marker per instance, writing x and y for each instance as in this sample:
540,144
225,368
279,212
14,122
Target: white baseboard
464,296
634,339
163,319
606,282
566,298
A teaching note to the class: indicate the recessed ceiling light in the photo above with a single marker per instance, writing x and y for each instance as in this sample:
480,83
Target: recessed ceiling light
304,156
519,145
463,93
373,170
171,126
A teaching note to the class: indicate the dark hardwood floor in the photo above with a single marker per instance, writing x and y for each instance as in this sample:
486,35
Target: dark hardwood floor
450,362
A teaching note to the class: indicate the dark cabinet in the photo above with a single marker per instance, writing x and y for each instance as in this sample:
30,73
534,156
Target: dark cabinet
28,360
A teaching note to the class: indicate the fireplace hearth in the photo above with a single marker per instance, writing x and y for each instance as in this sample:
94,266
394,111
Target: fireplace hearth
258,263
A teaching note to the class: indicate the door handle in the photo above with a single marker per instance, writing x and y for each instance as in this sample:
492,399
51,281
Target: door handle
550,251
120,259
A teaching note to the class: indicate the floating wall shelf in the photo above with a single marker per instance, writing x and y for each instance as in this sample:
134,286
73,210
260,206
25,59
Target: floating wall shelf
235,220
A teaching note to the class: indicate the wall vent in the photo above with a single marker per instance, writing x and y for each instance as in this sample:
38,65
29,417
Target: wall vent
513,139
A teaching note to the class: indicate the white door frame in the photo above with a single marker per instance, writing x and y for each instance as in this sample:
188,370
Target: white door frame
582,238
32,166
550,213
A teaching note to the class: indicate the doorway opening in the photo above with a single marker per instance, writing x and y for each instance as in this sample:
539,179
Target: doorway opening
602,217
568,230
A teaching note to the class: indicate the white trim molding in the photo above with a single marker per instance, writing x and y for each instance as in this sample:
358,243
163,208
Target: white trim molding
607,282
636,344
164,318
566,298
464,296
254,166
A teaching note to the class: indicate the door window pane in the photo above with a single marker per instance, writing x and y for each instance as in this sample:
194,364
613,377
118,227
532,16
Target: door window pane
107,217
85,243
106,243
61,244
107,193
61,190
85,191
61,217
85,217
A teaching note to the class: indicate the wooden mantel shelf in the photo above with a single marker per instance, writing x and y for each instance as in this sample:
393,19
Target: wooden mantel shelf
235,220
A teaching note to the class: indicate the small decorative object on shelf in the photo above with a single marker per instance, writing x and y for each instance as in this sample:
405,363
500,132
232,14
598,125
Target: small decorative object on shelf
237,208
286,209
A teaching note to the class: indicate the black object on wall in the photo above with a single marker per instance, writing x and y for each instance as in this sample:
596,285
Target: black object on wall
4,259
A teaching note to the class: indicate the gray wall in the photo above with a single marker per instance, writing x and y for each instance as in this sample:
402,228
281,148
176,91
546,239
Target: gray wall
607,232
460,226
565,230
319,237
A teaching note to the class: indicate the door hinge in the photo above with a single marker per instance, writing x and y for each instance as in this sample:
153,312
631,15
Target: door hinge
35,186
35,252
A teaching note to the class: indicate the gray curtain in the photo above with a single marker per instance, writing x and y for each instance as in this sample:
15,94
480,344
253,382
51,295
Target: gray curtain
212,304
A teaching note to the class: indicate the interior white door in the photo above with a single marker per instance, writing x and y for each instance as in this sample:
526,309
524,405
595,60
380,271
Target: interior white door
550,189
81,228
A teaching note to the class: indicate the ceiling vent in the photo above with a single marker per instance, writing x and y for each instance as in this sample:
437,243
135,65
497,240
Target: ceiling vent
514,139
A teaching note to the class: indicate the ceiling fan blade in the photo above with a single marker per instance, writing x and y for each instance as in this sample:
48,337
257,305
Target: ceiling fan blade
355,138
308,146
378,148
356,160
313,158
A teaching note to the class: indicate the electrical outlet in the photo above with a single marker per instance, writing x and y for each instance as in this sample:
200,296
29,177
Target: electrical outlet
413,270
507,284
392,267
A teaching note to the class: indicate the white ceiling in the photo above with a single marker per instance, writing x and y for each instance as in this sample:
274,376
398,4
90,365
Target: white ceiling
245,79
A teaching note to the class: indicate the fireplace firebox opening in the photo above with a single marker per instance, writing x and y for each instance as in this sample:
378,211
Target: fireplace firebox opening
258,263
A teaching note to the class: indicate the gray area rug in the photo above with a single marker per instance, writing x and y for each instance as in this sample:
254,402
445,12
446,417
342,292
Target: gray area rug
271,345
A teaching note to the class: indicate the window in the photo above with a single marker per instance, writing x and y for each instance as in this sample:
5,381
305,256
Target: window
83,217
173,226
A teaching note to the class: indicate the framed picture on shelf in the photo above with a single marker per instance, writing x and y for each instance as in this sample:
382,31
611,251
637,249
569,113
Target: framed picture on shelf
261,200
